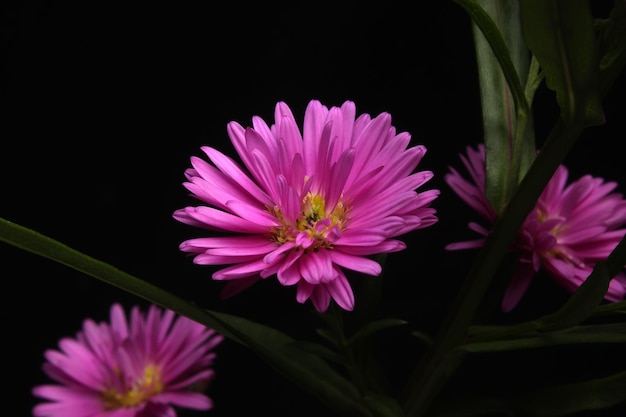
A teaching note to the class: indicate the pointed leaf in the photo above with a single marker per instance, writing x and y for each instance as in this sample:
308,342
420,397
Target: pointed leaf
566,399
582,303
320,351
373,327
423,337
492,35
384,406
610,309
310,372
560,35
503,64
328,336
588,334
474,406
612,45
554,401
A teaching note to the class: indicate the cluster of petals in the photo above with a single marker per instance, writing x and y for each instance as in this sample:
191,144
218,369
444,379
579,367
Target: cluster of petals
305,205
571,228
141,366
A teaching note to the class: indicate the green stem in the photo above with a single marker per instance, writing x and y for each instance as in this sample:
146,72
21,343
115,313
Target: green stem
334,319
430,376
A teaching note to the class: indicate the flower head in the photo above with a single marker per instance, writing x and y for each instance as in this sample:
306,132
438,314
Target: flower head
570,229
140,367
305,205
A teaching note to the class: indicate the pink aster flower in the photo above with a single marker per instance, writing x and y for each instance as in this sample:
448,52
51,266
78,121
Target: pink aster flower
571,228
305,205
137,368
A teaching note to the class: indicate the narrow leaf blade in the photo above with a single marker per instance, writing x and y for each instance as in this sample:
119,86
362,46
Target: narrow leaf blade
560,35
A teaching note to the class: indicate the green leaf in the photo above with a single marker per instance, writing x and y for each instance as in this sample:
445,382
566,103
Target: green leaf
328,336
616,260
425,338
560,35
587,334
328,385
316,377
474,406
497,43
320,351
566,399
384,406
582,303
612,45
610,309
501,56
552,401
299,365
34,242
373,327
276,348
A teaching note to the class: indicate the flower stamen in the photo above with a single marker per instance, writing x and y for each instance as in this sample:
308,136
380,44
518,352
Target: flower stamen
314,227
145,387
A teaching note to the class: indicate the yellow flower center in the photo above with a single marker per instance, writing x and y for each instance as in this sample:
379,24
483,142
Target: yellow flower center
145,387
313,219
558,250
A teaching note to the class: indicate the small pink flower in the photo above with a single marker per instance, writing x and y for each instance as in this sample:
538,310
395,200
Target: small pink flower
571,228
306,205
137,368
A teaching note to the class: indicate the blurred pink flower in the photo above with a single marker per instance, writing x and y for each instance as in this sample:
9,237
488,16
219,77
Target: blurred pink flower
137,368
571,228
307,204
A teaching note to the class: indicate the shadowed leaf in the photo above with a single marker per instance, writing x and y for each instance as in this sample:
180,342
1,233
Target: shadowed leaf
560,34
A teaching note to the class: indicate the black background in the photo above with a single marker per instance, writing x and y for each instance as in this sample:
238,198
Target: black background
105,103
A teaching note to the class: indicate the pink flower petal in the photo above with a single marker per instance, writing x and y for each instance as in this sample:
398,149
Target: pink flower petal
316,267
233,171
210,218
177,349
341,292
356,263
517,286
571,228
241,270
347,184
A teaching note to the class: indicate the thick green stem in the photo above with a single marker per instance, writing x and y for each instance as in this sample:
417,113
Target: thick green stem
430,377
334,319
